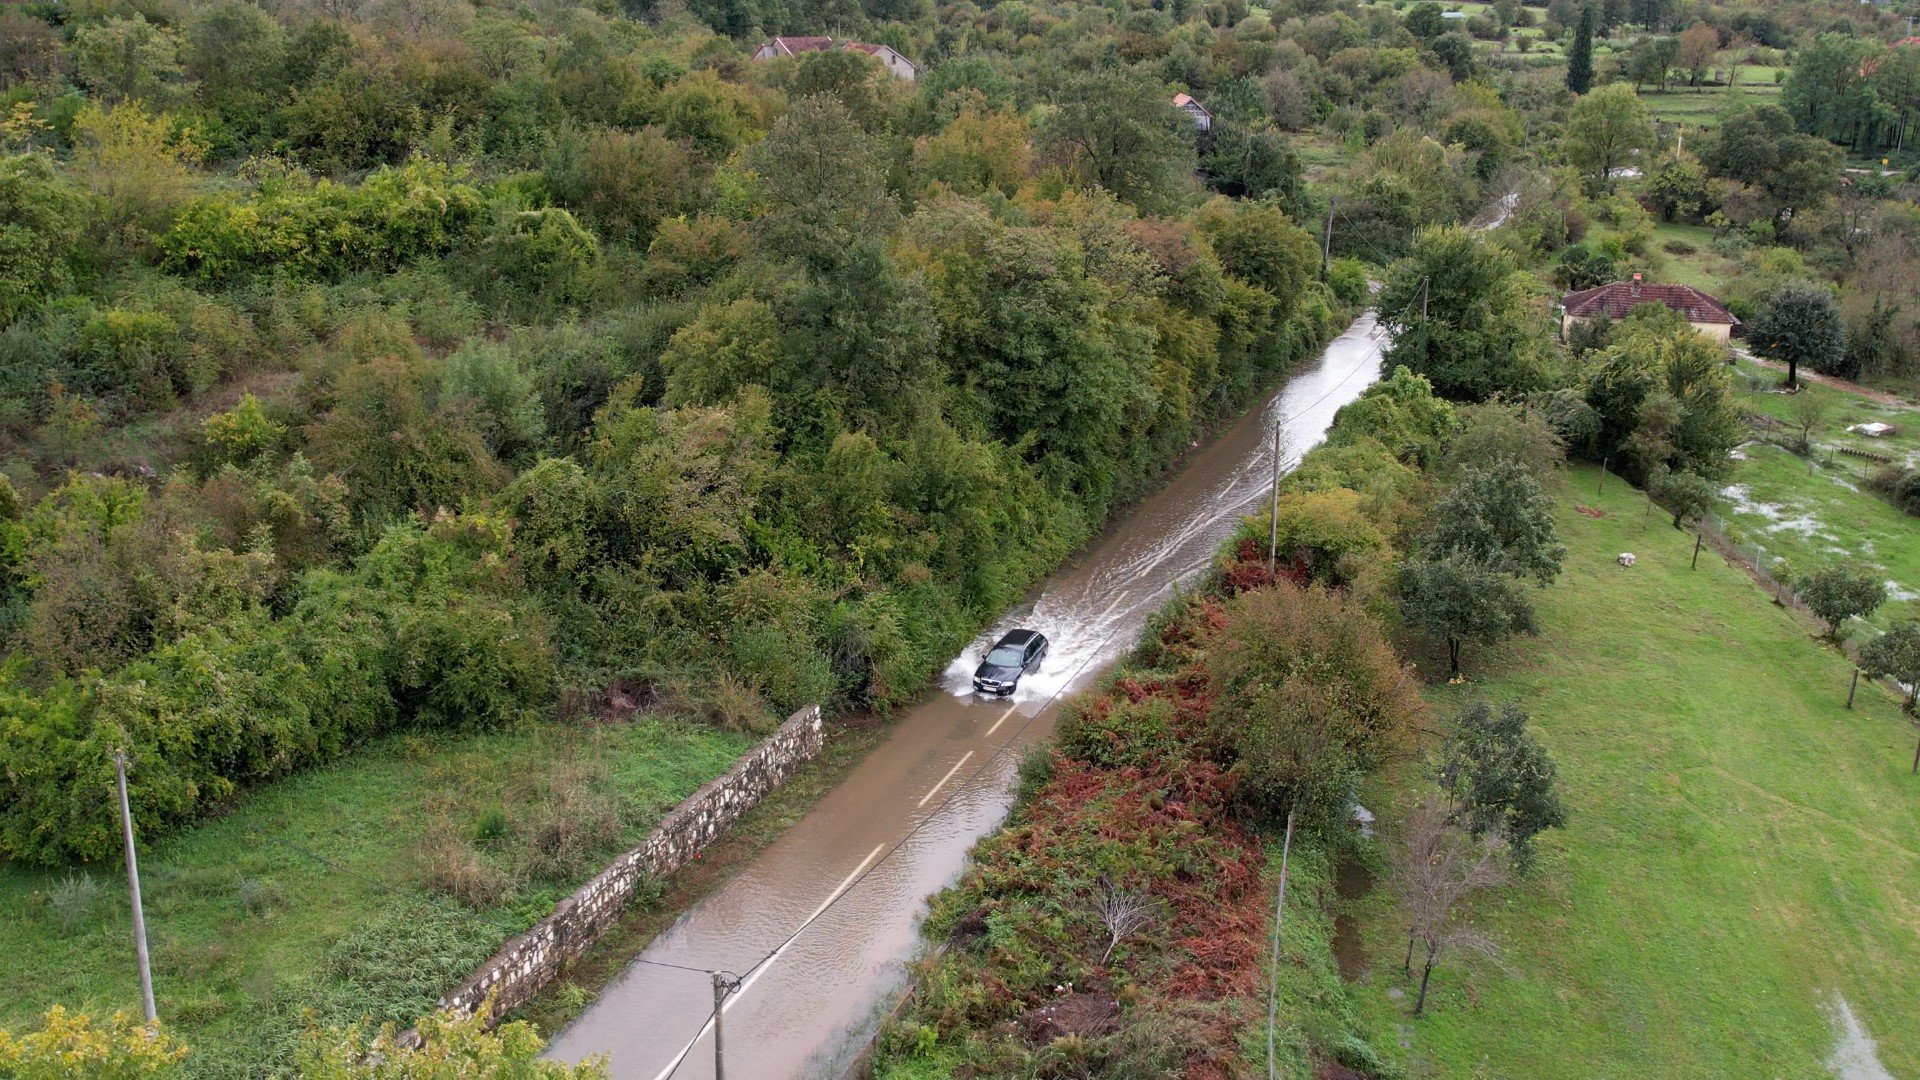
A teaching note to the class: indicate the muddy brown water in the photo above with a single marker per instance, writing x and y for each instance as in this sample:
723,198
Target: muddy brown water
823,923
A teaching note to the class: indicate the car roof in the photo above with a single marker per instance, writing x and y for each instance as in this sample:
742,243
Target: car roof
1018,637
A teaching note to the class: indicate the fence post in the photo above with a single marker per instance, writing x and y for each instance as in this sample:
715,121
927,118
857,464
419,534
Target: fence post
1696,551
1855,685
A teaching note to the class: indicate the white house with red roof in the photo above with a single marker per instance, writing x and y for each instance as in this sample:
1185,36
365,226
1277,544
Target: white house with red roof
895,64
1202,119
1702,312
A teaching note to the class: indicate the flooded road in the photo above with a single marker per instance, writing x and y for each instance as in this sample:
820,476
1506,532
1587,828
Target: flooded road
820,927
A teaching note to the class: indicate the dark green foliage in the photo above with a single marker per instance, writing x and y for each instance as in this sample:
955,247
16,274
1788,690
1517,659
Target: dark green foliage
1801,324
1458,312
1459,600
1120,131
1400,413
1841,591
1896,654
1580,56
1687,494
1500,778
39,224
1497,516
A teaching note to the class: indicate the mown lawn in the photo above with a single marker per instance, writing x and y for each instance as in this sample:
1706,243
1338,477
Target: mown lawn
1741,848
309,895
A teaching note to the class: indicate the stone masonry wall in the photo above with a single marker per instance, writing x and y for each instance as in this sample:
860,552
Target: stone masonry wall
524,965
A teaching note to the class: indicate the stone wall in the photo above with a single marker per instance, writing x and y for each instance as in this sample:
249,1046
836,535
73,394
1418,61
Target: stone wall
530,961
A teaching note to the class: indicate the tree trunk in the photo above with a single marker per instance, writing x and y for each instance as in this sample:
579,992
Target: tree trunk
1793,373
1407,964
1453,657
1426,973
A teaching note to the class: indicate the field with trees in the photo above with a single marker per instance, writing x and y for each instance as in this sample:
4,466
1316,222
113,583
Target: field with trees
1735,858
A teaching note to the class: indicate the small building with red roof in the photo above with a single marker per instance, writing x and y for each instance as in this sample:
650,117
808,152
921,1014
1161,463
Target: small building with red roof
1702,312
895,64
1202,119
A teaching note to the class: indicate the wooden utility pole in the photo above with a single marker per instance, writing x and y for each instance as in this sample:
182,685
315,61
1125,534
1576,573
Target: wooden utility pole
1279,915
1273,511
1696,551
1326,249
721,984
133,884
1851,687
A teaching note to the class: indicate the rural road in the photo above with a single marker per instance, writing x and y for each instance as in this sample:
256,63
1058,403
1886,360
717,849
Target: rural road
821,926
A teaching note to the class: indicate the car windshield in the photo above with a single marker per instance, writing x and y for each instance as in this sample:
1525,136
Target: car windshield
1006,656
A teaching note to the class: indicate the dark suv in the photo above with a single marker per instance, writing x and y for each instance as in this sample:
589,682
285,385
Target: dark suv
1016,654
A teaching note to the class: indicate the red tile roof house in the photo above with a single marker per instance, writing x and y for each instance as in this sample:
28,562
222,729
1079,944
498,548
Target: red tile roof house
1202,119
793,46
1707,315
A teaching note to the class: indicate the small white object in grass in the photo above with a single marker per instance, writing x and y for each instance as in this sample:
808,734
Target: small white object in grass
1626,558
1874,430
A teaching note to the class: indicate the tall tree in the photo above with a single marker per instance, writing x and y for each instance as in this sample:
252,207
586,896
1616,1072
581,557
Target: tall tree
1604,130
1497,515
1119,130
1580,57
1896,654
1459,599
1457,307
1501,778
1800,325
1699,44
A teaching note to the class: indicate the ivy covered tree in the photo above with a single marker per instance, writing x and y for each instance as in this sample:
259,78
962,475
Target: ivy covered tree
1458,309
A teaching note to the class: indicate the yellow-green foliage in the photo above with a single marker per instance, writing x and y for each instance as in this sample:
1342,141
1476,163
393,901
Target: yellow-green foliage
70,1045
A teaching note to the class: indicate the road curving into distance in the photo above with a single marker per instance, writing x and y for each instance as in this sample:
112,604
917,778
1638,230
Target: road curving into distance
820,927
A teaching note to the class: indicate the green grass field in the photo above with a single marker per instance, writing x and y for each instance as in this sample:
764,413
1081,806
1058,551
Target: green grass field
1740,847
249,926
1806,511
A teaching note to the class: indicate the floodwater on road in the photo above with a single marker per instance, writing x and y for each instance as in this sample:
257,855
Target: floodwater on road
821,926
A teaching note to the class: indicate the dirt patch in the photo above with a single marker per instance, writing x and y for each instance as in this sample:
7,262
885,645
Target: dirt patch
1082,1015
1591,512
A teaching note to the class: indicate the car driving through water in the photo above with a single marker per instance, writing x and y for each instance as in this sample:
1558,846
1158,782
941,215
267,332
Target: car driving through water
1014,655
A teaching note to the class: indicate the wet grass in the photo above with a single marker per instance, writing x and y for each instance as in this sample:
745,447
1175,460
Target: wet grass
251,915
1804,512
1739,848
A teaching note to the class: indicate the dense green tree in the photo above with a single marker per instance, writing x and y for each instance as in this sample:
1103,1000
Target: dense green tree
1841,591
40,220
1459,600
1580,55
1459,313
1688,495
128,57
1801,324
1651,62
1118,130
1605,129
825,189
1500,778
1896,655
1496,515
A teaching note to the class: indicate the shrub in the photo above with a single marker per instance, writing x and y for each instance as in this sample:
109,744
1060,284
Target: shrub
70,1045
1311,695
73,899
1348,278
1840,592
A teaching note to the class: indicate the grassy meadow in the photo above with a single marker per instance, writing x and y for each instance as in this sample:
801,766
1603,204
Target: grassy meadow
319,891
1740,853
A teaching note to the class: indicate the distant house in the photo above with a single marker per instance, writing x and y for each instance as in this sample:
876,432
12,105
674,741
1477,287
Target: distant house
1202,119
793,46
1703,312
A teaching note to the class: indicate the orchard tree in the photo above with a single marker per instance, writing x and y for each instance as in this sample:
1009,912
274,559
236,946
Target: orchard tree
1686,494
1498,516
1839,592
1460,599
1604,131
1801,325
1500,778
1580,56
1896,655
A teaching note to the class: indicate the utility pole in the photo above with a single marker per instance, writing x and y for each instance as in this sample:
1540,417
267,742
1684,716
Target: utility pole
720,988
1279,914
1326,242
1273,512
133,883
1425,290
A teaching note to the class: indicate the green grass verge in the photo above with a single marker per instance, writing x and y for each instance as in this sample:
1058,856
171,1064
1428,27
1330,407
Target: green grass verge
1740,847
250,927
